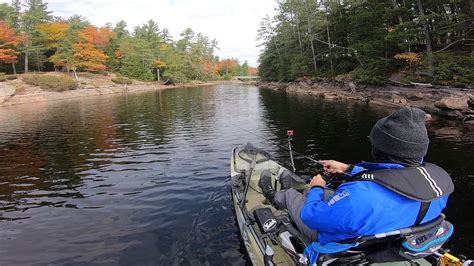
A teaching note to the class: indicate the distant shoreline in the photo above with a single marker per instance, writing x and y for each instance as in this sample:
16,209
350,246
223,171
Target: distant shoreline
17,92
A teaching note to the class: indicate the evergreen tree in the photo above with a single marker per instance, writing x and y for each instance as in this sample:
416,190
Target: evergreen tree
368,39
36,13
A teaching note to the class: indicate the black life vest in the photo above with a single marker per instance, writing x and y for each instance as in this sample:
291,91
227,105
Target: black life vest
424,183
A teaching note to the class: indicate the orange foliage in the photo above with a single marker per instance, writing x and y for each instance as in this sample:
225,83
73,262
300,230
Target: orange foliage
209,68
118,54
253,71
88,54
100,37
8,56
87,57
227,66
53,32
8,40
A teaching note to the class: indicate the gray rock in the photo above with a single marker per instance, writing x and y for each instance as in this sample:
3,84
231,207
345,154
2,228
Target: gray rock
352,87
6,91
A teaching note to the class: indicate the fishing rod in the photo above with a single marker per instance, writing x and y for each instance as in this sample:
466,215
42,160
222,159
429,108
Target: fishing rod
328,177
290,135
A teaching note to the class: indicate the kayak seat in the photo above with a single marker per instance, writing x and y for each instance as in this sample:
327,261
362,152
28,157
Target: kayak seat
405,244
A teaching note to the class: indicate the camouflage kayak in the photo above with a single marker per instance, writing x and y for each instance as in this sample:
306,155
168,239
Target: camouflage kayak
268,235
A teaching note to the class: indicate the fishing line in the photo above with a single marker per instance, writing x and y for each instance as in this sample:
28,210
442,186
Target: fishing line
281,146
286,148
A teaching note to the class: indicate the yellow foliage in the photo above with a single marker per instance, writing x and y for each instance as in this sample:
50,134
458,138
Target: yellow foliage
159,64
53,33
409,57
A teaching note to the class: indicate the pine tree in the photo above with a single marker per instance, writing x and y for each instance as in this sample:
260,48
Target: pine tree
36,13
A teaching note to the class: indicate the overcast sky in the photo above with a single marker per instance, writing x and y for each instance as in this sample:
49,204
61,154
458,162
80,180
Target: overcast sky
233,23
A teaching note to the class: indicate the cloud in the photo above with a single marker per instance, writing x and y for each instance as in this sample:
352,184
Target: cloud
233,23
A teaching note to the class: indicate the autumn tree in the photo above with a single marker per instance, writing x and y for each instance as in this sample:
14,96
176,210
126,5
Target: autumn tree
64,56
82,48
159,65
228,67
88,58
100,37
9,42
51,34
146,53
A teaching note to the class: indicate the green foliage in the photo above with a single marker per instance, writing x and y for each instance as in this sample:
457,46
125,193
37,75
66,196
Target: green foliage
122,80
138,53
7,13
366,77
374,72
56,83
328,38
455,67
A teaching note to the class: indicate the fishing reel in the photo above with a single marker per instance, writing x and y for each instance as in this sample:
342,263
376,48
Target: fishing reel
332,180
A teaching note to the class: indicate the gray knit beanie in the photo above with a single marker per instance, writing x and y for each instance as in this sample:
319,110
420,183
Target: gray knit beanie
402,134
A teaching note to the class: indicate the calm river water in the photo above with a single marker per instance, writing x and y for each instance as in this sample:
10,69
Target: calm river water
143,179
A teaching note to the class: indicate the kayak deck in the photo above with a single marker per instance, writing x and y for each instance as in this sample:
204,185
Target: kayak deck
254,241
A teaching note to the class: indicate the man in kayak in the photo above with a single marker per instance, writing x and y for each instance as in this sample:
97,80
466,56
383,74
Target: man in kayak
396,191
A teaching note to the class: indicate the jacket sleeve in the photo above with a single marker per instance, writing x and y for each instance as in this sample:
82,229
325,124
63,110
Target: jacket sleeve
333,216
356,169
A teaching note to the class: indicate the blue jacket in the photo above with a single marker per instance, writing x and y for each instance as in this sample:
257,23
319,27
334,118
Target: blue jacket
362,208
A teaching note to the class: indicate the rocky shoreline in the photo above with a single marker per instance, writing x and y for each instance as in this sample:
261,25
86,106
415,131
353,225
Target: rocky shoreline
449,103
21,93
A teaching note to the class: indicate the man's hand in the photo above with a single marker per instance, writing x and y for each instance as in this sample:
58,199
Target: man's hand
317,181
334,167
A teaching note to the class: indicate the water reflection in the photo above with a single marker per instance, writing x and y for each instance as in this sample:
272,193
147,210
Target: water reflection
142,179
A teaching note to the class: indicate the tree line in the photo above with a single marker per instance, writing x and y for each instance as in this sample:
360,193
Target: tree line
33,39
373,41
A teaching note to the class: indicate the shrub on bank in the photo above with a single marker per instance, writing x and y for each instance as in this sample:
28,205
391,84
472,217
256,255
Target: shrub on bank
4,77
122,80
51,82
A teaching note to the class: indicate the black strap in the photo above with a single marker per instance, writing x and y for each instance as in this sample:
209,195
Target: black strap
422,213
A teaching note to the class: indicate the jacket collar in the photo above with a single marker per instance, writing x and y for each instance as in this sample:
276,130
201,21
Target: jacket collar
377,166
